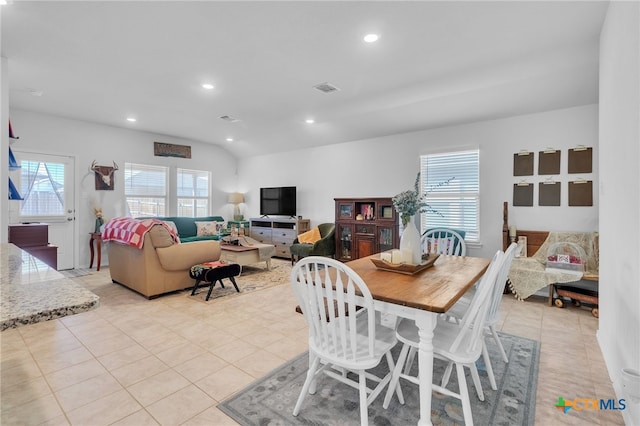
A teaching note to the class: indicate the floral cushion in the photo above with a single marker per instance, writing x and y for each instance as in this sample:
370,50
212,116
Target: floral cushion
206,228
209,228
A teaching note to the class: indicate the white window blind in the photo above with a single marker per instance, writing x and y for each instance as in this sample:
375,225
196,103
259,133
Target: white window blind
145,188
193,192
458,202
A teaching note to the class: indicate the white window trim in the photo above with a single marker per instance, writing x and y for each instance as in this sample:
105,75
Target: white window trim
177,197
166,196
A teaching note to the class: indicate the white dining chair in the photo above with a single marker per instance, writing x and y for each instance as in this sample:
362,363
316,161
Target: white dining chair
340,340
440,241
458,343
458,310
443,241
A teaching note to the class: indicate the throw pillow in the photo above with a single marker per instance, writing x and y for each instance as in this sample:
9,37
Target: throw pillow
220,227
160,237
206,228
310,237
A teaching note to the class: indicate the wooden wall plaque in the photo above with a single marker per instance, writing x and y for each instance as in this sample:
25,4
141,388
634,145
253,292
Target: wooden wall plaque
580,160
523,194
549,162
161,149
581,193
549,194
523,164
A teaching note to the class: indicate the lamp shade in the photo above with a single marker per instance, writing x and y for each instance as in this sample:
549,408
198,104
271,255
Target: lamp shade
235,198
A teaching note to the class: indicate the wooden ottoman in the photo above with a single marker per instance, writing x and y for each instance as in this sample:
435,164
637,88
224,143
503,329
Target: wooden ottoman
242,255
212,272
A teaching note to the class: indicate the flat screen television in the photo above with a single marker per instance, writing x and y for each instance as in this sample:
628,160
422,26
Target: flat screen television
280,201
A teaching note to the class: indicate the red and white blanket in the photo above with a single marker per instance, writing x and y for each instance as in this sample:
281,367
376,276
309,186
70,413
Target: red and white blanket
130,231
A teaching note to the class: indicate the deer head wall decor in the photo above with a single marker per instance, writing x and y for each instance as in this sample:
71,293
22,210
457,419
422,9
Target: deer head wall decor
104,175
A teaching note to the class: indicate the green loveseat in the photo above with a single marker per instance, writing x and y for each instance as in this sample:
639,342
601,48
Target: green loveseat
187,230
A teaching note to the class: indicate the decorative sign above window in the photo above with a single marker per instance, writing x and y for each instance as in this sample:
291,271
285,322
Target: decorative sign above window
161,149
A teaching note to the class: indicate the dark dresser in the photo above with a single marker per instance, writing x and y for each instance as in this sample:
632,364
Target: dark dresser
34,239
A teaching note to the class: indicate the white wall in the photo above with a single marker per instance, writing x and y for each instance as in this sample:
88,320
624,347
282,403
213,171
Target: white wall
374,167
388,165
620,194
87,142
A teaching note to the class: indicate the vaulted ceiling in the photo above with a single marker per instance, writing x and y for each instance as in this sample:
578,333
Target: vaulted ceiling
436,64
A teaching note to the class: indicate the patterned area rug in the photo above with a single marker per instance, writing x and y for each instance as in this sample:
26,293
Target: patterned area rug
270,400
252,278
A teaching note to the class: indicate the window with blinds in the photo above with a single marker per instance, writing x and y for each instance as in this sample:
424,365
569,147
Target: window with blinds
145,188
457,203
193,193
42,187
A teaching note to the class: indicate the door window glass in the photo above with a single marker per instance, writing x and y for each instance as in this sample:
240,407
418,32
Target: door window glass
42,187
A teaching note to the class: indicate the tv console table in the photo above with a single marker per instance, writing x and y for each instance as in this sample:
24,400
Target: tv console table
281,232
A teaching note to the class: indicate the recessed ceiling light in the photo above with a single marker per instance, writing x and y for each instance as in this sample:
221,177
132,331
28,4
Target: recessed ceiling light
309,121
229,139
131,119
371,38
208,86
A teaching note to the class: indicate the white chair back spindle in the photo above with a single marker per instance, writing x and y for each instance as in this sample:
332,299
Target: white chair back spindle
443,241
341,338
329,292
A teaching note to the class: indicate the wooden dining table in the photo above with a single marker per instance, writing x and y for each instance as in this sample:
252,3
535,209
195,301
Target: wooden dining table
421,297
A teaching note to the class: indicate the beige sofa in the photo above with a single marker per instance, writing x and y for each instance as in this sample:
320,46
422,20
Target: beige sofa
161,266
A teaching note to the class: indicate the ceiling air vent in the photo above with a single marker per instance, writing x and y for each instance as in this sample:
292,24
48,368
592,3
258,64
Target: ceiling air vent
326,87
229,118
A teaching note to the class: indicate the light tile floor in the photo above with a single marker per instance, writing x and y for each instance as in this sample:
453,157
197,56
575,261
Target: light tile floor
170,360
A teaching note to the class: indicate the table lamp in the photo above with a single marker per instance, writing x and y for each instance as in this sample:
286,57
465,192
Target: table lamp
236,198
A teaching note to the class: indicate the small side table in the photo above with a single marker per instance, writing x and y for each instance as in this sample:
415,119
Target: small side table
95,236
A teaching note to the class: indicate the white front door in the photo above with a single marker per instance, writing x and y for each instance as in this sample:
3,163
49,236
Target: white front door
46,184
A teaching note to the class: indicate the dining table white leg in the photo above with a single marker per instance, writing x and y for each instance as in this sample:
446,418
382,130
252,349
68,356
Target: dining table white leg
426,322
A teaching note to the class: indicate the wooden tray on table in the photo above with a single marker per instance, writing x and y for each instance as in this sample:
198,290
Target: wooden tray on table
405,268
